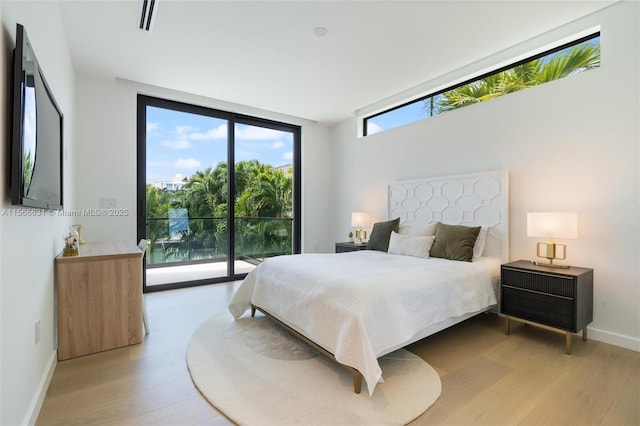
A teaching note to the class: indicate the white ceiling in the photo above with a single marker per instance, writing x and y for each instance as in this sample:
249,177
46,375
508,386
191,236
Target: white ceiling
264,54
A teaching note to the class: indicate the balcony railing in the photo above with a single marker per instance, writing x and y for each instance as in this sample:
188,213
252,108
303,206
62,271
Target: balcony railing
203,239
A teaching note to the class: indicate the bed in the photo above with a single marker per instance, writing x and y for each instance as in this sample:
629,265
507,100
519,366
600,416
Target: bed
358,306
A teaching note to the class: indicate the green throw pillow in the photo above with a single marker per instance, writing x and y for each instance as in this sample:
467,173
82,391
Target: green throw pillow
381,233
454,242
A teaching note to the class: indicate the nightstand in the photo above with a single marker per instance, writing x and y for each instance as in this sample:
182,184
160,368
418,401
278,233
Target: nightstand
349,246
560,300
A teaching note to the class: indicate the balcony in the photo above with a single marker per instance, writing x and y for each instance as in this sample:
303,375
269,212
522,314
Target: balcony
196,248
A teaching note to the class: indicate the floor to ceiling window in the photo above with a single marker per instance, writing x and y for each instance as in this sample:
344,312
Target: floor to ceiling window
207,222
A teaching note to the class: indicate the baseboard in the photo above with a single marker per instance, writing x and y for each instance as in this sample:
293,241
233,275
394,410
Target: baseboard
38,398
612,338
621,340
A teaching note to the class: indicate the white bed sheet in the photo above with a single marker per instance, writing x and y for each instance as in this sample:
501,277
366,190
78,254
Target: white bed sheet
359,304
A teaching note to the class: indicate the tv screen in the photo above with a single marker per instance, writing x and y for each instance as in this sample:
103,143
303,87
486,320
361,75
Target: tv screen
36,145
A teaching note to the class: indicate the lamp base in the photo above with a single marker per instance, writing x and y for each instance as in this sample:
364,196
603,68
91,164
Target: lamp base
550,265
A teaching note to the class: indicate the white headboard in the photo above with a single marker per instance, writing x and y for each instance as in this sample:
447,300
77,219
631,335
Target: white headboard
473,199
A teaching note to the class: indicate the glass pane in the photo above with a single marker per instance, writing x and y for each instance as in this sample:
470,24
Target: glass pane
186,197
397,117
263,194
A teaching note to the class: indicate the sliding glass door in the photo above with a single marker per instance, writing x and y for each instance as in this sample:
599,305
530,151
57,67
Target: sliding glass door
263,192
207,222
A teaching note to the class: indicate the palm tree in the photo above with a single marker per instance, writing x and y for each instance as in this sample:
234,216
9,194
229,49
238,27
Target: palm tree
270,194
581,57
27,171
261,191
202,191
246,171
158,202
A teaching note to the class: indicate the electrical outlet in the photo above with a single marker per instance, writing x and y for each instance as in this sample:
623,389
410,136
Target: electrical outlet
37,331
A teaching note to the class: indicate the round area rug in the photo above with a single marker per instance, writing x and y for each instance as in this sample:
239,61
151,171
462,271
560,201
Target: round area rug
257,373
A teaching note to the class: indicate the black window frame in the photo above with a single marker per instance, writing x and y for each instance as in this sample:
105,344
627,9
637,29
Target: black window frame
233,118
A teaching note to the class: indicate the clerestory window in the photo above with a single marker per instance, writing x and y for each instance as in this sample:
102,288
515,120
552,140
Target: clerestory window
568,59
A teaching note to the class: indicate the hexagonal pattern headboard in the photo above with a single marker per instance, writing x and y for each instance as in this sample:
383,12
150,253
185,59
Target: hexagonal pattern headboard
472,199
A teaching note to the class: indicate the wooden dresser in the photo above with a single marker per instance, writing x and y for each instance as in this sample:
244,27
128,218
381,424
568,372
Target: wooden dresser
99,298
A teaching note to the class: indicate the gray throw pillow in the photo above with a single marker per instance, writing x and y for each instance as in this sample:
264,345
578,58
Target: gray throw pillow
381,233
454,242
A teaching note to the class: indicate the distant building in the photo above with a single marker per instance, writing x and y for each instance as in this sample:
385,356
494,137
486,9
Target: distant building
286,168
177,182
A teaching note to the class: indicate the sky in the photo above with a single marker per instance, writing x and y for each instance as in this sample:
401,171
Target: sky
180,143
407,114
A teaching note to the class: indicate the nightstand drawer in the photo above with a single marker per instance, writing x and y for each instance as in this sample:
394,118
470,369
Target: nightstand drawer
349,246
544,283
554,311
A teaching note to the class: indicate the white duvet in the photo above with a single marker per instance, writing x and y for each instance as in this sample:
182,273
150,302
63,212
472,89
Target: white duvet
359,305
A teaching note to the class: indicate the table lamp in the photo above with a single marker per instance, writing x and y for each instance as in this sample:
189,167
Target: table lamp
552,225
358,220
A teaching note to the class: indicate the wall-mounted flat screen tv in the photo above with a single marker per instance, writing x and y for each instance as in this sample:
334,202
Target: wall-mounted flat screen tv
36,133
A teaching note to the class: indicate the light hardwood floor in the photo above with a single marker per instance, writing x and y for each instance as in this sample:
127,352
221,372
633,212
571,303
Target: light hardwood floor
488,378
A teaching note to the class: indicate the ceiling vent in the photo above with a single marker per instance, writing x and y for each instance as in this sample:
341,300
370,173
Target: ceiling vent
148,11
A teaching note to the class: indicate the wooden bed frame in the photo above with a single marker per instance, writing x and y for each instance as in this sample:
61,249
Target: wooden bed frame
473,200
357,376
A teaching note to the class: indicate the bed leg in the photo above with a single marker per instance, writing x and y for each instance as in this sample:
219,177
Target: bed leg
253,311
357,381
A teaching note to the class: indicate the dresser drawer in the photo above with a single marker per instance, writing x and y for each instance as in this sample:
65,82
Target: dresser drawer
544,283
553,311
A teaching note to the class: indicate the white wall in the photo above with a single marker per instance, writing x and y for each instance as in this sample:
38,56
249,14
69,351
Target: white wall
106,152
569,145
318,179
28,245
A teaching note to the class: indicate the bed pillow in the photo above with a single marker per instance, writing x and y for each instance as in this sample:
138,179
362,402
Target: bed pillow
380,234
455,242
410,245
478,247
428,230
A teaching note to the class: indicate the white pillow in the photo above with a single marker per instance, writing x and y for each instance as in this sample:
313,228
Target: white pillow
421,230
410,245
478,247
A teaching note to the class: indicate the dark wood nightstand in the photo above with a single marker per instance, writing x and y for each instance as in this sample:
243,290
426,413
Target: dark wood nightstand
349,246
560,300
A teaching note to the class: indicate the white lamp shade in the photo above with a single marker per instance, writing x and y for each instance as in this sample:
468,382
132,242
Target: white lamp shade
552,225
359,219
